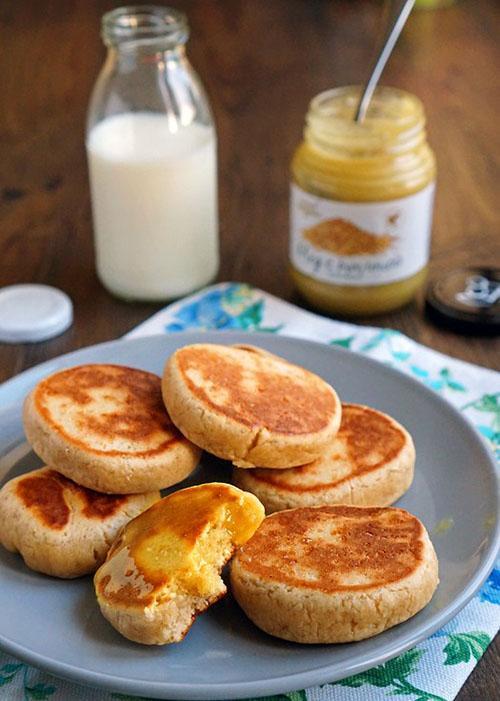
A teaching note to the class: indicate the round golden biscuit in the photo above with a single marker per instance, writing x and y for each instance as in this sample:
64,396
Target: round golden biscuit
251,407
106,427
164,568
334,574
370,462
59,527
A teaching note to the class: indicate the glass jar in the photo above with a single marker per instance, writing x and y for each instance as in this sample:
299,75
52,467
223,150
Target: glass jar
151,147
361,202
432,4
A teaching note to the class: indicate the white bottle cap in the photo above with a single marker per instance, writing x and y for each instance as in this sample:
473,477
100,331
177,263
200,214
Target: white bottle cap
33,313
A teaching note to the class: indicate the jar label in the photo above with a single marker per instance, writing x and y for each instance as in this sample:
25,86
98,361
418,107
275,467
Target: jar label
360,243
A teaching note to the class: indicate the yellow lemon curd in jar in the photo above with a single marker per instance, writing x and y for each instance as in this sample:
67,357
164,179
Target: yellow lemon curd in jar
385,157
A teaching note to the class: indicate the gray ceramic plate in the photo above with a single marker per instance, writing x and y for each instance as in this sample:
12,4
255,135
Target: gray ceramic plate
56,625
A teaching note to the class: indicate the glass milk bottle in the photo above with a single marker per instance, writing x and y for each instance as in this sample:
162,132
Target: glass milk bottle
151,147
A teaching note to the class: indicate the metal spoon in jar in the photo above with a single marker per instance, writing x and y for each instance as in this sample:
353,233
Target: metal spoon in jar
391,38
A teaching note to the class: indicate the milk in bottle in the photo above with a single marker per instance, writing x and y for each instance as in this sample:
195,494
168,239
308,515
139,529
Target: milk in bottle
151,147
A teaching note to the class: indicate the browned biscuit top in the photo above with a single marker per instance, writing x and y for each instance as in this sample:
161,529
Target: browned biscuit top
107,410
52,498
335,548
366,440
257,389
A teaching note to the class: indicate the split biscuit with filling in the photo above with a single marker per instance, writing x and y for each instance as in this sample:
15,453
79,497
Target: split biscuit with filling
249,406
164,568
106,427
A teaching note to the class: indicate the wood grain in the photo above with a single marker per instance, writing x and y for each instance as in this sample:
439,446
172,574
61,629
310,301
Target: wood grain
261,62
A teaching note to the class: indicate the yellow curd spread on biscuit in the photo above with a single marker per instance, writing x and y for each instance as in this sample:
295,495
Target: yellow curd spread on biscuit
361,202
179,544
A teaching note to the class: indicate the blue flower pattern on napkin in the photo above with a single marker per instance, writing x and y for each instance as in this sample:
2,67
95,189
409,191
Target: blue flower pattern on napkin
232,307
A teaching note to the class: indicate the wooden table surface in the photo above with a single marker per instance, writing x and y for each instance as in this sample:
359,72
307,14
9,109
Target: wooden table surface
261,62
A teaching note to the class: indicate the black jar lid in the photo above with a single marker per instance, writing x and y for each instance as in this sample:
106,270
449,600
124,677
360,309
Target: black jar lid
466,300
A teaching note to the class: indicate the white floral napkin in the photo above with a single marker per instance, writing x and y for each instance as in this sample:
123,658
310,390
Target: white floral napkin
434,670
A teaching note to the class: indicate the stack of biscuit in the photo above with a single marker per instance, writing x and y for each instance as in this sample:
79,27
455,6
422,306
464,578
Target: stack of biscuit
332,561
108,446
291,441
